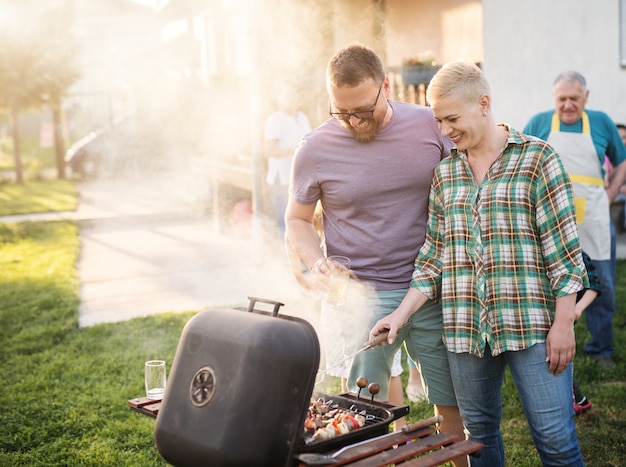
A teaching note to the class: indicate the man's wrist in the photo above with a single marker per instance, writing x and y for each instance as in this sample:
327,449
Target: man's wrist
318,263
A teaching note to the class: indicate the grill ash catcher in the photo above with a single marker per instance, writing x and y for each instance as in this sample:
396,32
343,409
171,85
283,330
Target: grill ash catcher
240,387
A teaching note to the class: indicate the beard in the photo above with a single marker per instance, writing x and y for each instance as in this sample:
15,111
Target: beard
369,134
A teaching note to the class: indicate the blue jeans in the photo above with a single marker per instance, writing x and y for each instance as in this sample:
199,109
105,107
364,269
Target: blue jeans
546,398
599,315
280,196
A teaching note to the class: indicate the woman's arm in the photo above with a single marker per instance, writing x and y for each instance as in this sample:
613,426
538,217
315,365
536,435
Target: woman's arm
412,301
560,342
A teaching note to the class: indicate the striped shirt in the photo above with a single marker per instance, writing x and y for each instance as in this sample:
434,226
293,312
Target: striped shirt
497,255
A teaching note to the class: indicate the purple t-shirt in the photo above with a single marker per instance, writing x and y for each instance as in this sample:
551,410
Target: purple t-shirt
374,195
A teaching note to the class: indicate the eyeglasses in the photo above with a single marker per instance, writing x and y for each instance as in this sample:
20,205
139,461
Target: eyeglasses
361,114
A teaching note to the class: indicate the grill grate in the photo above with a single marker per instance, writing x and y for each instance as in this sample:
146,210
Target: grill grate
378,418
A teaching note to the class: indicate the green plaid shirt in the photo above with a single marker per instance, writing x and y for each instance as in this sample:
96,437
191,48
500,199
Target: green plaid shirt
498,254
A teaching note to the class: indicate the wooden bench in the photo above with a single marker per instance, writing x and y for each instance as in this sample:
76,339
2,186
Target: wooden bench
421,448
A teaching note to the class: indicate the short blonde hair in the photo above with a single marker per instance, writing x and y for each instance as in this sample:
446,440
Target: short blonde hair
462,78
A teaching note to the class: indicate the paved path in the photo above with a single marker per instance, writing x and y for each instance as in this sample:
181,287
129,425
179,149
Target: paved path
146,249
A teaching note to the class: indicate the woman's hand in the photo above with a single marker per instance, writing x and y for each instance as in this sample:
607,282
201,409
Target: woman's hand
395,320
560,341
560,347
392,322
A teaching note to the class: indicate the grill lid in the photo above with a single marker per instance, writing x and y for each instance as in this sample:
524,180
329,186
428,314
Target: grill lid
238,390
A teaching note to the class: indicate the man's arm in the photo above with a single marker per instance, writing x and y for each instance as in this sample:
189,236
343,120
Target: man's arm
301,235
618,173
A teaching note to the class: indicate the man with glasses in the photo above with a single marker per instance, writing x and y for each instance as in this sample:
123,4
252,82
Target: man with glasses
371,167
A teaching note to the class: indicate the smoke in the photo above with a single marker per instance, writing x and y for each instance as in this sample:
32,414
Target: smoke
344,328
199,80
176,111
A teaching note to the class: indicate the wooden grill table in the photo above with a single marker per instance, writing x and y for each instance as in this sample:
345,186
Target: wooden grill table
422,447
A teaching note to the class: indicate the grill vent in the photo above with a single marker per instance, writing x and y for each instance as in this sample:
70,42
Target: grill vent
202,387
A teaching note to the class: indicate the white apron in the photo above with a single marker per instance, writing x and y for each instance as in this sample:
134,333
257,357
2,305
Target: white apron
578,154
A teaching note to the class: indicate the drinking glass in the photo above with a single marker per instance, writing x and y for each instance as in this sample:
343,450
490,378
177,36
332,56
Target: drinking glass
155,376
339,280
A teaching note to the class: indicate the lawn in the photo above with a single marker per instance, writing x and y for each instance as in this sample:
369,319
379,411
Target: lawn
65,390
38,196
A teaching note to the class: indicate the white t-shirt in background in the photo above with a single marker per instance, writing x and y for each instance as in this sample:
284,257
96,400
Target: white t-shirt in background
288,129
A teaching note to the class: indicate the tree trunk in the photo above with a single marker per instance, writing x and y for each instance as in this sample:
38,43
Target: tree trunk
17,153
59,143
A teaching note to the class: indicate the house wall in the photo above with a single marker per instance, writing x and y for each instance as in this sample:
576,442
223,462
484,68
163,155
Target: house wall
399,29
449,28
395,29
521,44
527,43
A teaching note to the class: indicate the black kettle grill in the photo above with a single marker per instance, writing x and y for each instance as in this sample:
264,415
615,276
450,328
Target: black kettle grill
239,390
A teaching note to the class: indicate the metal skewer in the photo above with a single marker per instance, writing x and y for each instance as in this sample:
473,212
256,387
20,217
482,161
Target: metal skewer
371,344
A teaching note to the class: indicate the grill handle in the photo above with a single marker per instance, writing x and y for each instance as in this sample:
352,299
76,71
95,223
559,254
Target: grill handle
254,300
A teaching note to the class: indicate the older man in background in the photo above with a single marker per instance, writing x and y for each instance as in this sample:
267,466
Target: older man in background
583,138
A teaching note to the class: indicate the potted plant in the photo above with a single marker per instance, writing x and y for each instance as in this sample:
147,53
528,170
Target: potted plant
420,69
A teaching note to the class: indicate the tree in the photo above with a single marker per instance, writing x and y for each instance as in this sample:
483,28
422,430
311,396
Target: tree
15,57
38,64
59,69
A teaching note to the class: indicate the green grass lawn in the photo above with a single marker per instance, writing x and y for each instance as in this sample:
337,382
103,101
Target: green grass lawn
38,196
64,390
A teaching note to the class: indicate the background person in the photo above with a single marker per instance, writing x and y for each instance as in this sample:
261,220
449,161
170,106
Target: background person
414,388
621,129
582,138
502,254
284,128
583,299
371,167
